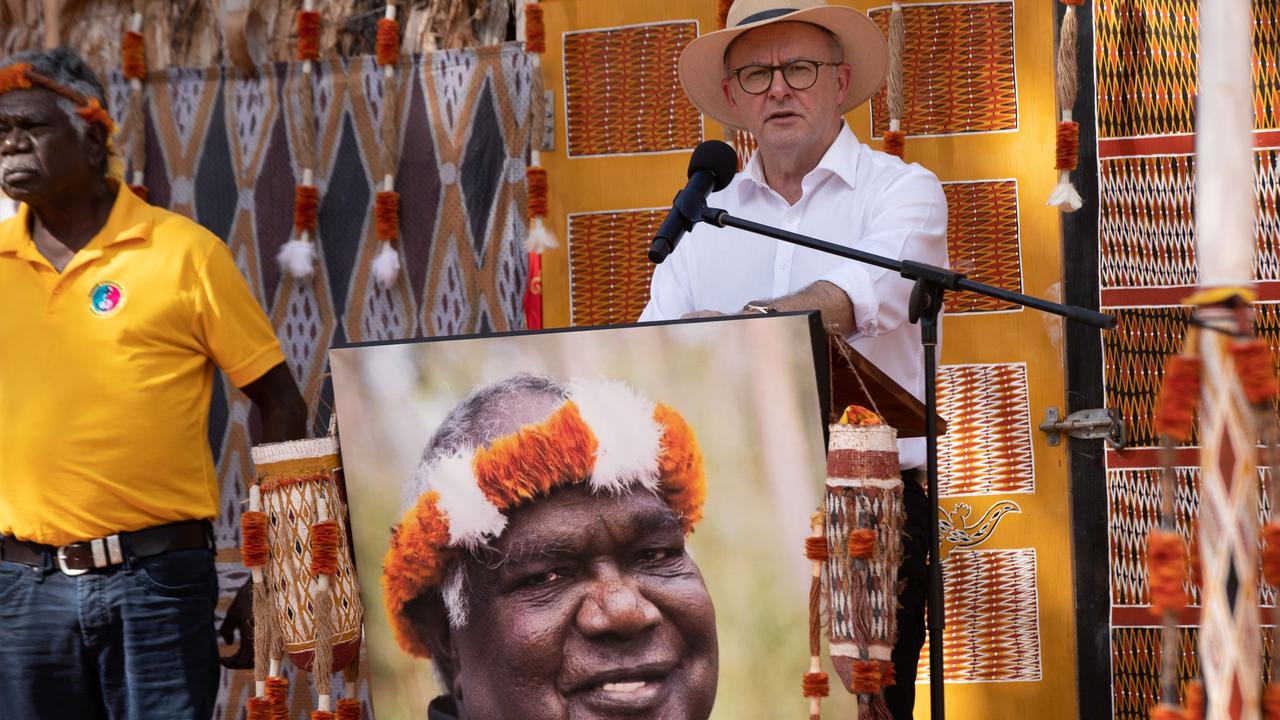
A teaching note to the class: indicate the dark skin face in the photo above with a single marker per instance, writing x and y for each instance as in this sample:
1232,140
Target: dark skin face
597,610
45,163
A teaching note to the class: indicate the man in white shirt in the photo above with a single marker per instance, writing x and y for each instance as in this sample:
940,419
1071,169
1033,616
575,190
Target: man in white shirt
787,71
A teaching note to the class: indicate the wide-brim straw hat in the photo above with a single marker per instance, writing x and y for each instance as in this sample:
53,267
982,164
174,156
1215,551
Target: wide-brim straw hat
865,50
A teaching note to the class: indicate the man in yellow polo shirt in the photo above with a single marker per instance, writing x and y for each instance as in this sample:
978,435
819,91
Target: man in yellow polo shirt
116,313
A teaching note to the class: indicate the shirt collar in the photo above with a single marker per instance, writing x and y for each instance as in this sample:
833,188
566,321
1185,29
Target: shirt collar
840,159
129,220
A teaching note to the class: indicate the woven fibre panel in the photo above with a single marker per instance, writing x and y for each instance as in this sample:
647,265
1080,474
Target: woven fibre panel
609,270
622,91
987,447
993,627
982,240
1134,355
958,74
1146,57
1133,510
1147,232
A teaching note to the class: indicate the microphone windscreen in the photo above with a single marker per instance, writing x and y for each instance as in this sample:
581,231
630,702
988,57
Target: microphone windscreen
718,158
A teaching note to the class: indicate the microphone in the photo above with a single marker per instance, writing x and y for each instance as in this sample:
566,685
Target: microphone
712,167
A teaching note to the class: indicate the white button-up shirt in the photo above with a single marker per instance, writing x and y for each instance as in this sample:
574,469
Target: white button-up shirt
856,197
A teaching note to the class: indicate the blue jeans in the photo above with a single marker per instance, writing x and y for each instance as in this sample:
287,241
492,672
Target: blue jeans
132,642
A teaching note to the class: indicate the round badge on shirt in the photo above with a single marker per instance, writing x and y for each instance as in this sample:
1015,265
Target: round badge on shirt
106,299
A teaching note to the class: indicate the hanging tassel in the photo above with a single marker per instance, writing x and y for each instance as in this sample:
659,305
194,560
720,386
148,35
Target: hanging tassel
349,709
1271,702
1065,196
308,36
815,684
535,29
862,543
321,715
1255,369
298,256
1166,712
1195,701
278,695
324,547
387,46
258,708
866,677
1166,571
540,238
1175,407
895,140
133,56
386,265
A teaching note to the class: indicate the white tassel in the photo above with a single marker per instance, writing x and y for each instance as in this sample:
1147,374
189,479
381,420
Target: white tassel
1065,197
540,239
386,265
298,258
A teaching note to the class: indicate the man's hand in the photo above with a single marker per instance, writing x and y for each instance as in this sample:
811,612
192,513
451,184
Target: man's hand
701,314
239,618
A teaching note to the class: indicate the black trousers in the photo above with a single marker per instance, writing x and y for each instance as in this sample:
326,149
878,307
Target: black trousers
913,574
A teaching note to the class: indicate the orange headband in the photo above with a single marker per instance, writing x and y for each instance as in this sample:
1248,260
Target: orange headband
561,451
20,76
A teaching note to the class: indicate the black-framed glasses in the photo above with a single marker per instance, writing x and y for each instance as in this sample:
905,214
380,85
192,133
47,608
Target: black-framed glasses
797,74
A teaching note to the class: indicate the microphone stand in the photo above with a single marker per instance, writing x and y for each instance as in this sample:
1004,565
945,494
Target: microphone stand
931,284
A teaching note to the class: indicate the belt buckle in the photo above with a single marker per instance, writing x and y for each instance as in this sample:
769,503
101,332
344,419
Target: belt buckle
62,563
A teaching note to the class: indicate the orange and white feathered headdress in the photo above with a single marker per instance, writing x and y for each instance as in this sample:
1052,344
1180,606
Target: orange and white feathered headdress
604,435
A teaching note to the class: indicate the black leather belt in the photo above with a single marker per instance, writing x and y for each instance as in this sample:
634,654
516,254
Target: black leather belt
80,557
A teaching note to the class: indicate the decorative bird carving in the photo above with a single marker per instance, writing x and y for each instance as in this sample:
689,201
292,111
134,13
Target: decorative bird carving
956,530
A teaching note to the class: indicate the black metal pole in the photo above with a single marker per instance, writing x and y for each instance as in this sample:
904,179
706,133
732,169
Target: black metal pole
936,613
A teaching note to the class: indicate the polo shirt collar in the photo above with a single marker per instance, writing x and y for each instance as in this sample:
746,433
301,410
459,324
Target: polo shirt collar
129,220
840,159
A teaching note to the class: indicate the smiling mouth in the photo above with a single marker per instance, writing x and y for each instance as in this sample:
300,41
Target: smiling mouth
625,693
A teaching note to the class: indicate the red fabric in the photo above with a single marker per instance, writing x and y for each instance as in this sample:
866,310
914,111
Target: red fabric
533,294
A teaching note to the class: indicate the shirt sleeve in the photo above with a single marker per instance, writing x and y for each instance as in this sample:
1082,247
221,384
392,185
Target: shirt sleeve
670,291
909,222
229,322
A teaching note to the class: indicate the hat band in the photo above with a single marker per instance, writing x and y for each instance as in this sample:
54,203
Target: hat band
766,15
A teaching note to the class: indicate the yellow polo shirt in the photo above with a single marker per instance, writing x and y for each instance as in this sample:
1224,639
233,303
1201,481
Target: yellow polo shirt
106,371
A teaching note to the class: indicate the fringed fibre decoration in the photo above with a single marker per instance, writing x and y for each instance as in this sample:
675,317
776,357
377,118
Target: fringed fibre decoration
348,709
306,205
862,543
1176,406
15,77
888,675
1167,570
324,547
254,548
278,693
1271,553
94,114
387,46
1256,370
321,715
1271,703
815,549
387,215
258,708
536,177
1068,145
535,29
308,35
816,684
866,677
895,143
133,57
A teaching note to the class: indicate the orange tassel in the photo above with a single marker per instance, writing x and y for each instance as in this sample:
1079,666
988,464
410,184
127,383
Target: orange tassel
253,538
278,693
349,709
1166,712
815,548
862,543
306,204
535,29
258,708
387,47
15,77
321,715
888,676
1068,150
324,547
536,179
95,114
1166,571
1271,552
1195,701
816,685
141,191
895,143
722,17
308,35
133,55
386,215
1178,396
1271,702
866,677
1255,369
